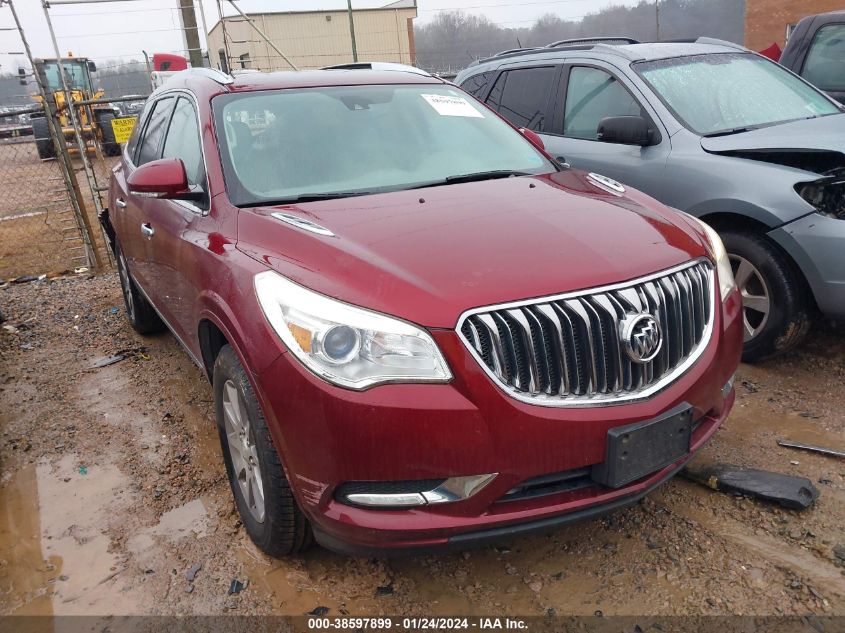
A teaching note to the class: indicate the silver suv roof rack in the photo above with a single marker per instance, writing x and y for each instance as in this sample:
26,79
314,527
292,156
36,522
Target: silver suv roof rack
713,40
593,40
404,68
517,50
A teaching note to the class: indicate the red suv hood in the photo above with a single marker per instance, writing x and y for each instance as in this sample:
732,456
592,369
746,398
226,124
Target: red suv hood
427,255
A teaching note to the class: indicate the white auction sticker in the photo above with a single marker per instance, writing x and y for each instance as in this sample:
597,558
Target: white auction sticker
452,106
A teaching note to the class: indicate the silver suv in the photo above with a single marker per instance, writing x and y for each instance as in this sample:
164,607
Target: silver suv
710,128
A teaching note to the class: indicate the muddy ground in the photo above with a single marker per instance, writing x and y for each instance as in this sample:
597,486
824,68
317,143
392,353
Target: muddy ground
113,489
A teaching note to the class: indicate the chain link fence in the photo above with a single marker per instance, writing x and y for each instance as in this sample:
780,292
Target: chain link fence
39,230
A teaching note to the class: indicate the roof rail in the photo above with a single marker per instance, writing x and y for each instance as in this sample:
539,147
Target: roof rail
517,50
402,68
211,73
593,40
713,40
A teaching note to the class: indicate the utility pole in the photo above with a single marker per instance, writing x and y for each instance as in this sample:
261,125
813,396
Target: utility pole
657,20
192,36
352,31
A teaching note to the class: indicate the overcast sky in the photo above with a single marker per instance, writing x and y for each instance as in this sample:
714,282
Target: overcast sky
121,30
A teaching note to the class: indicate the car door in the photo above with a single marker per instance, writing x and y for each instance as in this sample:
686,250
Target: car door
824,65
174,223
587,93
131,210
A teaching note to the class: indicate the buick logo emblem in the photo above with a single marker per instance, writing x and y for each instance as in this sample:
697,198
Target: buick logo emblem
641,336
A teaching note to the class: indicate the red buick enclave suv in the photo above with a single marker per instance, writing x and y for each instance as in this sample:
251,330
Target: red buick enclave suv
421,331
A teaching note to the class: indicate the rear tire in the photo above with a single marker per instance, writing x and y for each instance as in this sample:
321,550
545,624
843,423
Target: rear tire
110,146
142,316
776,305
262,493
43,140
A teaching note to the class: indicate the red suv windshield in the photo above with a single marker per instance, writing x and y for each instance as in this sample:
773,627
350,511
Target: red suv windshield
336,141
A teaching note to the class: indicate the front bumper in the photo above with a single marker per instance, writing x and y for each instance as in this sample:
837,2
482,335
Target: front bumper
328,436
817,244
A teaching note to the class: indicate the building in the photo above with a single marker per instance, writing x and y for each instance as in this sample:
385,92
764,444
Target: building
312,39
770,21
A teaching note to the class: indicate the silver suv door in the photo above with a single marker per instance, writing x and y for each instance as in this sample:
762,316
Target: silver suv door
588,92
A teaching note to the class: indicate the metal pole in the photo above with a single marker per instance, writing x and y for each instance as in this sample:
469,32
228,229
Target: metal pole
261,33
204,28
192,36
352,31
65,166
225,37
656,20
89,172
149,70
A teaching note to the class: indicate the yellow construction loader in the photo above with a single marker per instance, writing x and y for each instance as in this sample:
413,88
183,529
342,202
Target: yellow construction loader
94,120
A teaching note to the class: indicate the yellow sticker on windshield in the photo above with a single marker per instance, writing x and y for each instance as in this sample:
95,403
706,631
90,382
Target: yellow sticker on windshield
452,106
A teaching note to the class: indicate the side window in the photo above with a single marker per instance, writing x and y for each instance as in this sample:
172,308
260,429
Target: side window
525,96
132,144
592,95
477,84
154,130
494,99
825,64
183,140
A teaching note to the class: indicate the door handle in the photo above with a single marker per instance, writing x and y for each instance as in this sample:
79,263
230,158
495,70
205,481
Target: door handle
121,203
147,230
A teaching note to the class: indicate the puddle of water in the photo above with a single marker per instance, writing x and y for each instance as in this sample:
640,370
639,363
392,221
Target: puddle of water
751,422
24,580
191,519
56,514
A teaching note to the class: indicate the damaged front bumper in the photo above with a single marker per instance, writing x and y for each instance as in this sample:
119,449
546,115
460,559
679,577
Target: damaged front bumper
817,244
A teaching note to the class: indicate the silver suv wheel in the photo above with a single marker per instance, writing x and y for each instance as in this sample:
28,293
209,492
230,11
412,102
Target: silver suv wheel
756,301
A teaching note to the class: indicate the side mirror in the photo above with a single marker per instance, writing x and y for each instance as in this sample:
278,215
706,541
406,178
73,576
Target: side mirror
92,67
533,138
626,130
164,178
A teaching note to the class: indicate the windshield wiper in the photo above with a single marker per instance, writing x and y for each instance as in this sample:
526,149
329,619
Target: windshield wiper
475,177
734,130
484,175
308,197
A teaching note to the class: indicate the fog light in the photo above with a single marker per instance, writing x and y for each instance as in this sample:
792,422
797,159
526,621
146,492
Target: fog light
405,494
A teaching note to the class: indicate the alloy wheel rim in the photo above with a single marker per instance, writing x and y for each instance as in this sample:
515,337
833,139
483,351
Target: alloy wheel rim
246,468
124,282
756,300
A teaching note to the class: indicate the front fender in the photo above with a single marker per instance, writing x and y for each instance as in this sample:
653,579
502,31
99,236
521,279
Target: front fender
245,329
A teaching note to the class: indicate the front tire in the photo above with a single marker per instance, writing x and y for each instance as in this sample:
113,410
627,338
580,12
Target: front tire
142,316
110,146
43,140
775,303
262,493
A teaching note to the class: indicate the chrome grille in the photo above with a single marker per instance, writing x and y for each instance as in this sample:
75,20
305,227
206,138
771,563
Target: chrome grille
568,350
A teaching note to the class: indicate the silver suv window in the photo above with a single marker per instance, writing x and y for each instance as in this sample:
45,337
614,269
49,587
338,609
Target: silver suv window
591,95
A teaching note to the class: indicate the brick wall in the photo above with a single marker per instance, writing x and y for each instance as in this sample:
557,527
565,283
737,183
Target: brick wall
766,20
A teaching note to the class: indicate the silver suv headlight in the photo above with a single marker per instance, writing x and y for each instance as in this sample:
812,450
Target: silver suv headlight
344,344
717,251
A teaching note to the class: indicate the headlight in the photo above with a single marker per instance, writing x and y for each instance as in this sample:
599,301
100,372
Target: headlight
346,345
717,251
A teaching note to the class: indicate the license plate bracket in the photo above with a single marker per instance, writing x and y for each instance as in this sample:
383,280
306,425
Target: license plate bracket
636,450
